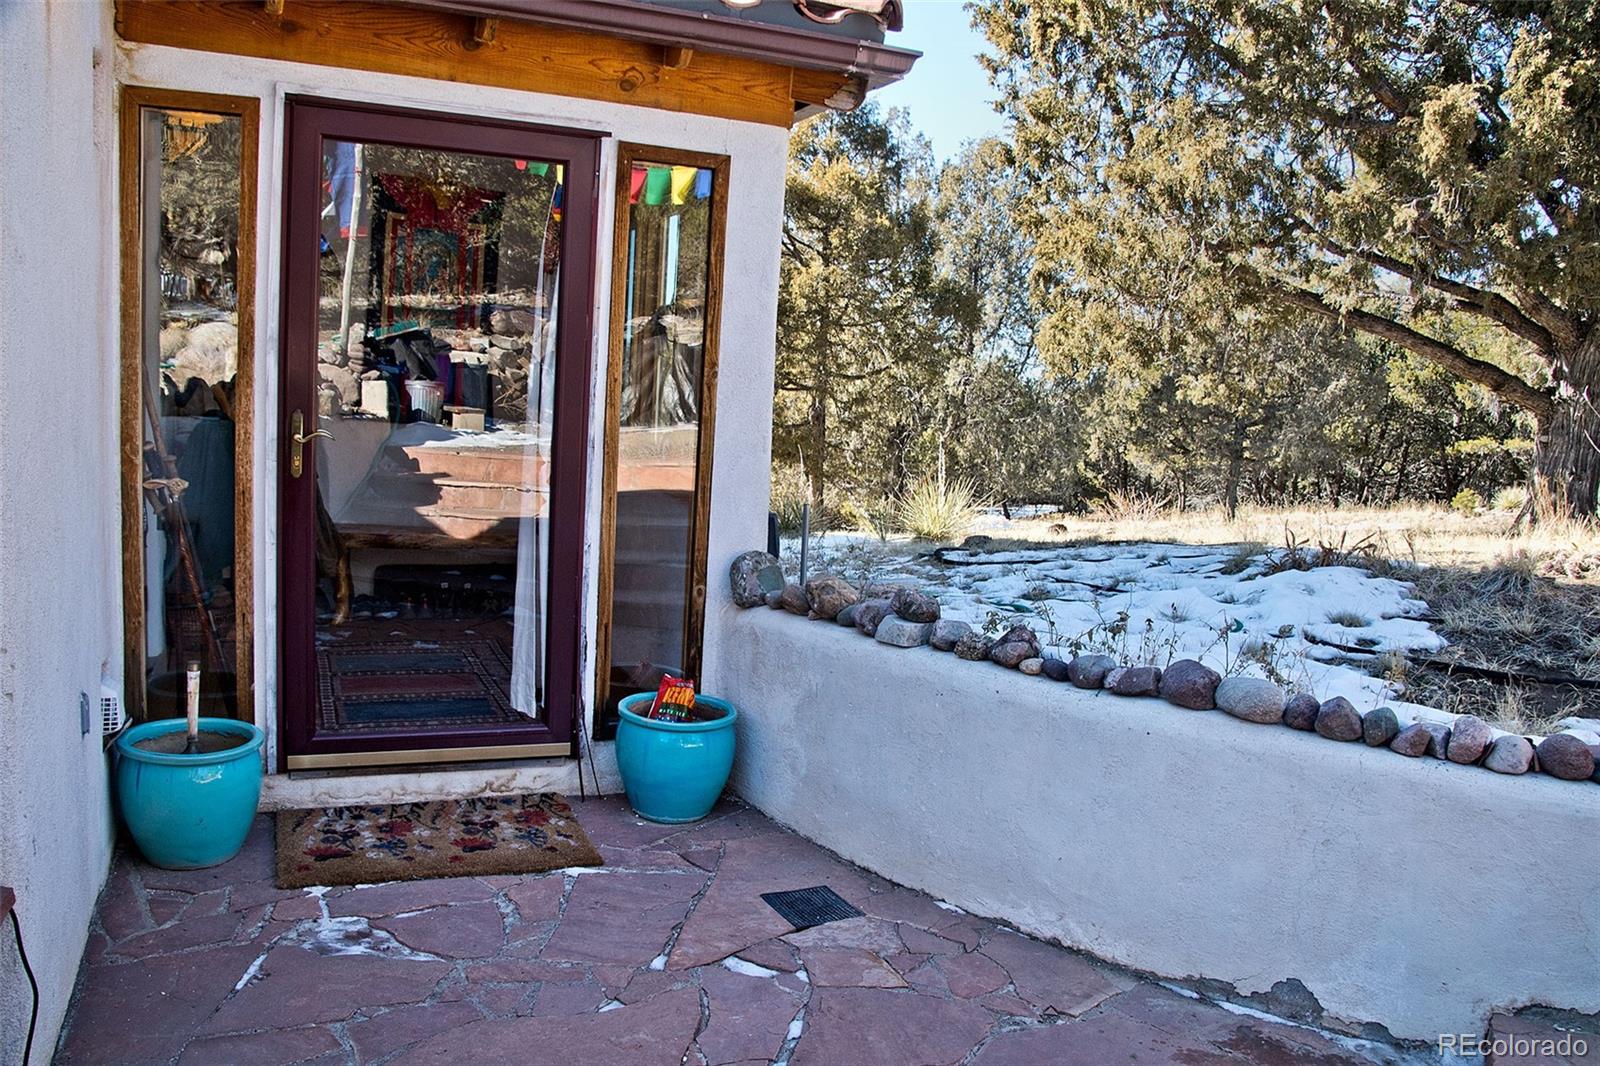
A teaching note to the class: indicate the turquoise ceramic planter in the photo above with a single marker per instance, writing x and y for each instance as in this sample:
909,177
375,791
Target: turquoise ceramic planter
674,771
189,811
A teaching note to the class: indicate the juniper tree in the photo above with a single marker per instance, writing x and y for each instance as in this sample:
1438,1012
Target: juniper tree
1384,164
862,313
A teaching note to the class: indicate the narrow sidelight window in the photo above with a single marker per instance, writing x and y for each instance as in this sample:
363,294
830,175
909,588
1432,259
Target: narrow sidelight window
666,274
188,218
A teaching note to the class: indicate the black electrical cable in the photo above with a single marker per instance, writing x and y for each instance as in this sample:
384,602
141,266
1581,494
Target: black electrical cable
33,983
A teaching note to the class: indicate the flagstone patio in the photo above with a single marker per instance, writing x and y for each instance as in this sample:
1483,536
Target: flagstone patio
666,955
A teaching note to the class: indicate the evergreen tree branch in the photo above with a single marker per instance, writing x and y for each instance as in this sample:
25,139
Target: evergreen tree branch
1536,401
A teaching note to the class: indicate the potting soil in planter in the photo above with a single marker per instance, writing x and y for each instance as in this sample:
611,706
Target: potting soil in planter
178,743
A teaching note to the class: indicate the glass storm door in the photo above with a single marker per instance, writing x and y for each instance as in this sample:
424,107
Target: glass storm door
437,330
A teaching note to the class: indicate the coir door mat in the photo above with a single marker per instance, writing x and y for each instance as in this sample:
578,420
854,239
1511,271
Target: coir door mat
444,838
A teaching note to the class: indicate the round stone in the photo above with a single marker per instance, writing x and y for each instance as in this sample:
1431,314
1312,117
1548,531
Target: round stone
946,632
1014,645
1337,720
974,647
1190,683
830,594
1089,671
1133,681
1301,711
1469,739
793,599
1032,667
1509,754
1055,669
1379,727
1566,757
754,575
1412,740
847,615
1252,698
870,612
916,606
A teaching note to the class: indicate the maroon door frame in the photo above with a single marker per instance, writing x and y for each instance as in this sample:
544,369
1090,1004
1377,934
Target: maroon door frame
308,122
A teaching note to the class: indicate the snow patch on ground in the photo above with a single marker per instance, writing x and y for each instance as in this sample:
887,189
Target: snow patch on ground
1157,602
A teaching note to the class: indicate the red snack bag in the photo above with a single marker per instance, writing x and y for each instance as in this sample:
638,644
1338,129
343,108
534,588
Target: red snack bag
674,700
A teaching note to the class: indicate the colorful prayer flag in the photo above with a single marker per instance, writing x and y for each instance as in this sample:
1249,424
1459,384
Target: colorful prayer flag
702,184
682,184
636,183
658,185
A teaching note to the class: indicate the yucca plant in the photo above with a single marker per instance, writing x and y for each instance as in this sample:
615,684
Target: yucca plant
939,509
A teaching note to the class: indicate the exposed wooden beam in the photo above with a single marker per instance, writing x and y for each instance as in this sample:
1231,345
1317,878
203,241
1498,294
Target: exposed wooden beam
675,56
817,87
396,39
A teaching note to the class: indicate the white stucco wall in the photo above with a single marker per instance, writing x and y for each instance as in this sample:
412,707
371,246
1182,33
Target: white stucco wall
744,398
1413,893
60,593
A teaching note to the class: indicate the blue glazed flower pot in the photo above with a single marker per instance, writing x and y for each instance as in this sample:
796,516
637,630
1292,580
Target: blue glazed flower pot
189,811
674,771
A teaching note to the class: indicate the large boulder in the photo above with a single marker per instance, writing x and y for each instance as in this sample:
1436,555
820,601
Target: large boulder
754,575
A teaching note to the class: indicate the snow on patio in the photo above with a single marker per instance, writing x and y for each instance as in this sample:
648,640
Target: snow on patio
1157,602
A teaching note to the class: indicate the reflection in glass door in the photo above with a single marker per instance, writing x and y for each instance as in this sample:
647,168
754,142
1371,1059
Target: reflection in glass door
668,257
435,616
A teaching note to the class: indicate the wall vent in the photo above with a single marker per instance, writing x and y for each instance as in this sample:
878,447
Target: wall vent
112,716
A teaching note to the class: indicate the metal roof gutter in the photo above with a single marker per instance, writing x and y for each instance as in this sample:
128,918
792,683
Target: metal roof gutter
877,64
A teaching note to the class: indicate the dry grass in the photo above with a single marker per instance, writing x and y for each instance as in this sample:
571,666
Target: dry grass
1419,533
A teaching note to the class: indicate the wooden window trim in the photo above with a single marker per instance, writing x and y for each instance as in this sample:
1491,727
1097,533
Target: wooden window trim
629,153
134,99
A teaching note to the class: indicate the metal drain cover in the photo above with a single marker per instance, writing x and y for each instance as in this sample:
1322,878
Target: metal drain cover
805,907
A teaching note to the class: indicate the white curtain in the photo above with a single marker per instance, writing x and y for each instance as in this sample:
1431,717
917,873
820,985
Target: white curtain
530,609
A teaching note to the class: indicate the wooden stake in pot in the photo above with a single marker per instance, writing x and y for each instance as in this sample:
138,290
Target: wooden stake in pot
193,746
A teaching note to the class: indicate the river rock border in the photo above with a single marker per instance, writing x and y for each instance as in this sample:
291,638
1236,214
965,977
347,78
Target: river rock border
901,616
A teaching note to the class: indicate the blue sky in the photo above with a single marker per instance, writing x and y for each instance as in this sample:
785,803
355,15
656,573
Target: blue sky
947,92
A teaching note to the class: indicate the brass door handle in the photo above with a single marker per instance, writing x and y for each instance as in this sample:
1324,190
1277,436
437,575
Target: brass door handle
298,439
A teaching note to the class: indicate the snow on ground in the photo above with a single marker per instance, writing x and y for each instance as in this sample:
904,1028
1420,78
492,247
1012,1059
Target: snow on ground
1155,602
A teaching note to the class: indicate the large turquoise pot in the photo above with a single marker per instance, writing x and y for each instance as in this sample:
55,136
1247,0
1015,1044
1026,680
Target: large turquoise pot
674,771
189,811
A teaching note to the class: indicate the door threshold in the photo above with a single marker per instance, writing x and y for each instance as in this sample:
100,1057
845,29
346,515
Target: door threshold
423,759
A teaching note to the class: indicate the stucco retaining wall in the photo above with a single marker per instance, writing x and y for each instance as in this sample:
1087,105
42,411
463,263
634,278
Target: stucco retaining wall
1413,893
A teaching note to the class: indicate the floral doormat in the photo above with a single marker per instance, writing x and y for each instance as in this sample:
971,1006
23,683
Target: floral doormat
444,838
